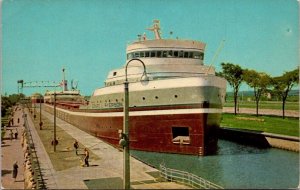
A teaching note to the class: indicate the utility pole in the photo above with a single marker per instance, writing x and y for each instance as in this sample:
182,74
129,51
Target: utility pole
41,123
54,140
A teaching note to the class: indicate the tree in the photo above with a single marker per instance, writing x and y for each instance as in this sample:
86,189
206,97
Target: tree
5,104
234,76
14,98
9,101
259,82
283,84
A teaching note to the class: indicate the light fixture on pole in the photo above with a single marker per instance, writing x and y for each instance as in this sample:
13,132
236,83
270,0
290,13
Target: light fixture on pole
125,135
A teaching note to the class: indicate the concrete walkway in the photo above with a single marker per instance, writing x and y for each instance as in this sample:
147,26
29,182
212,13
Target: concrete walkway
108,168
44,160
11,151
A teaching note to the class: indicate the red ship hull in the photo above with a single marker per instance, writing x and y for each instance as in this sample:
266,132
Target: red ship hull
182,133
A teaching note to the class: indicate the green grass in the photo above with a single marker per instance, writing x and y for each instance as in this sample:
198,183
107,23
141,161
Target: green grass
270,124
2,134
4,120
265,105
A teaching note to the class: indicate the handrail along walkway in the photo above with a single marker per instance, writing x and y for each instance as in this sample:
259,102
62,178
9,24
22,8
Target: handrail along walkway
186,178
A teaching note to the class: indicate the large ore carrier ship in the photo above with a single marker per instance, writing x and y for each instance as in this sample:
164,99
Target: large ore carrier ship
176,110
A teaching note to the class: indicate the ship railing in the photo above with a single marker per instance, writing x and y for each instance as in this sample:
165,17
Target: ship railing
186,178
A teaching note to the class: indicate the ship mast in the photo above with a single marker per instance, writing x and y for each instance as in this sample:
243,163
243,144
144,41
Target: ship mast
156,29
64,82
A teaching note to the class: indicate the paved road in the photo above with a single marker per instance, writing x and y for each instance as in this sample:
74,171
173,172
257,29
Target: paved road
288,113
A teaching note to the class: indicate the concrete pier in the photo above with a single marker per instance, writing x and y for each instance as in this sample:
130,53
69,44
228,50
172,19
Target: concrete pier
260,139
106,164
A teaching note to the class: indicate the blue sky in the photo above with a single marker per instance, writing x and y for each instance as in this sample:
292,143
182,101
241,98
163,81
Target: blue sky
89,37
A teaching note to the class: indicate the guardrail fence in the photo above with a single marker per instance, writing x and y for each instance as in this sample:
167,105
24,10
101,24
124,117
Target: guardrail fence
186,178
35,171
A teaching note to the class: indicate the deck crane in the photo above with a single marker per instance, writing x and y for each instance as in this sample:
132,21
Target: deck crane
216,55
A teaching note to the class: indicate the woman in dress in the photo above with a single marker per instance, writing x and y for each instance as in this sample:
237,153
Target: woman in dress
15,170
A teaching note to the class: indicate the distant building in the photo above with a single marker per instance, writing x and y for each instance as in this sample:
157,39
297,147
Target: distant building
268,95
37,98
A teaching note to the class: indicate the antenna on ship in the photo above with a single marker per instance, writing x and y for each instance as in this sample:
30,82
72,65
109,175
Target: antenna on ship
74,84
216,55
156,29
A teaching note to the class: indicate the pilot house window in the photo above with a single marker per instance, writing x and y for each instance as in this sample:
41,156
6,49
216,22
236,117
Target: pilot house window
167,53
152,54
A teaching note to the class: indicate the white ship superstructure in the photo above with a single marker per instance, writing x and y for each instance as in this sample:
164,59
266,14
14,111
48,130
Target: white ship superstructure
176,110
174,65
64,96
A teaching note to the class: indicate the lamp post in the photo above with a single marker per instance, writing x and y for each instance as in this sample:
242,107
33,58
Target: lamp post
125,135
54,140
41,123
34,113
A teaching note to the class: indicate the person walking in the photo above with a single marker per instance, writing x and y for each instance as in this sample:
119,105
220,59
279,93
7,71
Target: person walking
76,146
15,170
11,135
86,158
16,134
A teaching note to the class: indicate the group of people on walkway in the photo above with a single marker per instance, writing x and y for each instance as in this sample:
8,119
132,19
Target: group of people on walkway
86,153
13,134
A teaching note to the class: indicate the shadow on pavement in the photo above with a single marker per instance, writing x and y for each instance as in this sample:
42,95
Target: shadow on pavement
20,180
4,145
5,172
104,183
